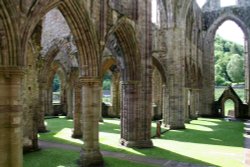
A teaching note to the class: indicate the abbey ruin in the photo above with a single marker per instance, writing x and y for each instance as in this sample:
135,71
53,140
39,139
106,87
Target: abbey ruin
163,69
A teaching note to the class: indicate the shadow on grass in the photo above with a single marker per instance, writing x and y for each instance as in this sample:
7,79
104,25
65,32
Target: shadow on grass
214,133
203,131
155,152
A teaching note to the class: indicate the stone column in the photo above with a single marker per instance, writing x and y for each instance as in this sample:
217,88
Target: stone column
165,106
115,94
77,132
194,103
50,100
42,107
187,107
176,76
69,93
176,102
132,118
91,107
11,154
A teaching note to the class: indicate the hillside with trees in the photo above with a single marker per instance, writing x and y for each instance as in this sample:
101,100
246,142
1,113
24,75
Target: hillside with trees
229,62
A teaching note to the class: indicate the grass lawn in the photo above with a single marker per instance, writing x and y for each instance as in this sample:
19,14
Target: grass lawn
205,141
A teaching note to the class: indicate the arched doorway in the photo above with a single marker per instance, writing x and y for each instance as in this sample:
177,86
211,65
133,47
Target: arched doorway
229,60
209,58
228,109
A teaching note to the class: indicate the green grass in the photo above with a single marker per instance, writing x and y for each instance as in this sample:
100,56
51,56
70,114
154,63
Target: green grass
65,158
51,158
205,141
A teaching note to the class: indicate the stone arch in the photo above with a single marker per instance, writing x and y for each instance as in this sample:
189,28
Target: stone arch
161,69
122,43
219,21
236,106
230,94
58,68
80,26
208,61
49,57
9,38
107,62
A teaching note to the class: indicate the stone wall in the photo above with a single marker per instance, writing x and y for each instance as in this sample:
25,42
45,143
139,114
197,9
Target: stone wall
178,46
212,19
54,27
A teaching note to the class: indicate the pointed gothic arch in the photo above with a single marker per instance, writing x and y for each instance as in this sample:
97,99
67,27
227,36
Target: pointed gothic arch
81,27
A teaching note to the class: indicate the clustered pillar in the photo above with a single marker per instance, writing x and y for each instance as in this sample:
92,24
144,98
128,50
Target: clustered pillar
91,107
132,122
11,117
77,132
42,109
115,94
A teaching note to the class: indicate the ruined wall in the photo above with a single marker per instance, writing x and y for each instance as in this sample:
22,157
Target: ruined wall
54,27
30,101
213,5
157,94
212,19
177,45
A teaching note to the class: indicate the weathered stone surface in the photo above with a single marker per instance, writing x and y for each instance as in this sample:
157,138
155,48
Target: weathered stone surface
168,63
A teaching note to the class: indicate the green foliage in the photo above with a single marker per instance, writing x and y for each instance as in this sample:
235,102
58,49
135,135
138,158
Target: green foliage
106,84
56,83
235,68
223,53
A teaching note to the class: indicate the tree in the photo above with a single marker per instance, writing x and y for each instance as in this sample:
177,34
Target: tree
224,51
106,84
235,68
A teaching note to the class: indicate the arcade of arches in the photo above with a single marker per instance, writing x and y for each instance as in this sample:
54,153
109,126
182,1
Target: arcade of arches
161,70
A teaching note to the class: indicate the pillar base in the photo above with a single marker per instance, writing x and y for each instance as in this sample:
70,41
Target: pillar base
91,158
187,121
69,117
28,149
177,127
42,129
193,117
76,136
137,144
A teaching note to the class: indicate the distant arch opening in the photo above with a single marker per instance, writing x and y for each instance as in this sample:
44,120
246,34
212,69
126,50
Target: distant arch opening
229,108
229,59
56,87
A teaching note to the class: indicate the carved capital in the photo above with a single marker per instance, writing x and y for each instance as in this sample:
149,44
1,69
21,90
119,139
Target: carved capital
8,72
130,82
83,81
